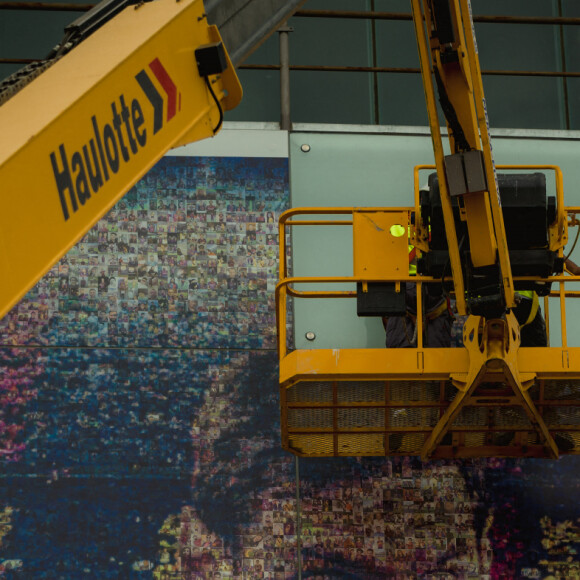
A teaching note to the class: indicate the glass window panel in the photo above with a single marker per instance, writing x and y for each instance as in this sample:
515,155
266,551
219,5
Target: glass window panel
572,50
535,102
7,69
518,46
392,6
401,100
530,102
573,94
337,5
571,35
32,34
331,97
571,8
515,7
330,42
268,52
27,34
396,44
261,101
524,102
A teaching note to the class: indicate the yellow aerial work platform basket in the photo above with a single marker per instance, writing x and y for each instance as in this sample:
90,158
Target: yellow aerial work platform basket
487,398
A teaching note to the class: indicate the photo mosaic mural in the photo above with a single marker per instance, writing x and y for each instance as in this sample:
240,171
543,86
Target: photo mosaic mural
139,421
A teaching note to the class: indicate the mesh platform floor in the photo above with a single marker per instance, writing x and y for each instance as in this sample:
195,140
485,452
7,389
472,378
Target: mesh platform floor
386,417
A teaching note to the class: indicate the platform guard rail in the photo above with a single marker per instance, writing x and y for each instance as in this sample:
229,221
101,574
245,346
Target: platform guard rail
487,398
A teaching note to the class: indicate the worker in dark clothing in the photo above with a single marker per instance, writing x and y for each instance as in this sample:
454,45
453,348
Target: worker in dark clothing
401,331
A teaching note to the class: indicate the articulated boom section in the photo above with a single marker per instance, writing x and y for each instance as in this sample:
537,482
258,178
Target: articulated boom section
467,177
77,137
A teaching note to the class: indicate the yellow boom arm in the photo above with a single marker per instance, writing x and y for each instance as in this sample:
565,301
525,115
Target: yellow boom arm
450,61
75,140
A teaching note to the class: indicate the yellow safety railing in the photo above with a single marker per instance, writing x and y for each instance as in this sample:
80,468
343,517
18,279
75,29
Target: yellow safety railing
433,402
565,216
285,287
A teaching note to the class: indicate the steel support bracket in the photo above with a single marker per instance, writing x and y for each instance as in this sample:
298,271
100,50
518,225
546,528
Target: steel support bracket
493,347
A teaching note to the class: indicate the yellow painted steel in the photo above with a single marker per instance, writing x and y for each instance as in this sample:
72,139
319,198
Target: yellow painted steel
461,79
380,243
78,137
418,396
436,139
486,148
488,398
492,359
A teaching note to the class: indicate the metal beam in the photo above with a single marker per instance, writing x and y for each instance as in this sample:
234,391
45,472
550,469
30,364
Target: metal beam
245,24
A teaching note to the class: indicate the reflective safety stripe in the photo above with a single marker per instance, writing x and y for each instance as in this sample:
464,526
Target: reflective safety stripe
530,295
535,305
412,261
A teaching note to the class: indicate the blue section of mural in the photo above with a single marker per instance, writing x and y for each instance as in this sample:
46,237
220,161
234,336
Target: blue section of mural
116,442
138,382
77,528
102,412
139,421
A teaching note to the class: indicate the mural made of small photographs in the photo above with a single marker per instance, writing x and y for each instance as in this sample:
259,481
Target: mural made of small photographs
188,258
139,421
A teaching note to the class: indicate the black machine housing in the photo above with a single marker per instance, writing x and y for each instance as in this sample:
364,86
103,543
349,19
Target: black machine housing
527,213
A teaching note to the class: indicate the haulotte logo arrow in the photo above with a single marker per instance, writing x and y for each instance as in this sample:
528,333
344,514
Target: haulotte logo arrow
155,97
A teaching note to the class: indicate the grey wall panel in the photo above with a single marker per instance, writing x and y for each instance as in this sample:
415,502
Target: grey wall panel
357,169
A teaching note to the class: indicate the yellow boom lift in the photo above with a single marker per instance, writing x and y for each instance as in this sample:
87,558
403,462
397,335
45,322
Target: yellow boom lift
129,81
489,397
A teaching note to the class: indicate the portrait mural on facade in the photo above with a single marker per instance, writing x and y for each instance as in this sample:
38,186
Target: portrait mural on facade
139,420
